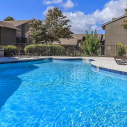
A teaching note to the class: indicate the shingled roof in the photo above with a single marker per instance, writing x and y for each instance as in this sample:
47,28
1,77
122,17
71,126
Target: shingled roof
76,37
17,23
7,25
114,19
72,41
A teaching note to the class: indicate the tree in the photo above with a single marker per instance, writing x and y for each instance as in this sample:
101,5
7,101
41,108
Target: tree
91,45
54,27
9,19
124,24
57,26
37,31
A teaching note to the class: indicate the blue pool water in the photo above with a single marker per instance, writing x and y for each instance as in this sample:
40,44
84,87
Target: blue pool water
61,94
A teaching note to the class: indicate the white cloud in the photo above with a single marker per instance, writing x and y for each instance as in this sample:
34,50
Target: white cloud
52,2
68,4
46,11
81,22
76,4
95,27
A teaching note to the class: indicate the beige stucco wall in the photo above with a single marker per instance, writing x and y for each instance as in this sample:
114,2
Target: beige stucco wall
8,36
114,33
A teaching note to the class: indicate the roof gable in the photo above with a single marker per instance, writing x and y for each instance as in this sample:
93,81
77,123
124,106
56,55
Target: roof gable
7,25
103,25
17,23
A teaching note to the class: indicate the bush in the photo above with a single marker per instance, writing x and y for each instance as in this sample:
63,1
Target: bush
120,49
1,47
45,50
10,48
91,44
57,50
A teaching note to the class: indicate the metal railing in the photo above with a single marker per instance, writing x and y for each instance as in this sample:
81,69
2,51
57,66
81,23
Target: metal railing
21,40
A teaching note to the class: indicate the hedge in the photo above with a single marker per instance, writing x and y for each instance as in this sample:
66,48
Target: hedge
45,50
9,48
57,50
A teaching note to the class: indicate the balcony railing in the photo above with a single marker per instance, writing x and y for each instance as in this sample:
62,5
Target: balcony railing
21,40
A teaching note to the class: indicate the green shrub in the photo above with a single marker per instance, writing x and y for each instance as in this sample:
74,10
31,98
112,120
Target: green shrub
91,45
120,49
57,50
10,48
45,50
1,47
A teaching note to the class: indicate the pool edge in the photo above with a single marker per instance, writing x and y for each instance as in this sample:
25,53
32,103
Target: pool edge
76,58
107,69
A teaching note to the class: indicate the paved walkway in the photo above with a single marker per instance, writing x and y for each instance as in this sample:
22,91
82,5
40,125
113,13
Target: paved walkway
105,62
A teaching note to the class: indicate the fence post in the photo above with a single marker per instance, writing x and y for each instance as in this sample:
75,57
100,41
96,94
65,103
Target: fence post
115,50
100,49
49,50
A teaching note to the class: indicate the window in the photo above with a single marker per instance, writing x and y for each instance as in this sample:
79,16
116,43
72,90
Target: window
27,37
18,34
79,44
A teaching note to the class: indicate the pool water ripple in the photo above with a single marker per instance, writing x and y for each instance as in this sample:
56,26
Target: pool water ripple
63,94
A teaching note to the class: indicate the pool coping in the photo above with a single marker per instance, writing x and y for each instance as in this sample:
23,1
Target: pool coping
90,60
14,60
105,68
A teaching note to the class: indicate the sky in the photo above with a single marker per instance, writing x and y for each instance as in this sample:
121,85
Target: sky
83,14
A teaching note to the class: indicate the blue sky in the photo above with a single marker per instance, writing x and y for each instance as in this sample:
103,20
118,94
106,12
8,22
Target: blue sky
84,14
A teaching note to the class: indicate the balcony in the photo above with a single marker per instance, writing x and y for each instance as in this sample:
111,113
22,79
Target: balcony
21,40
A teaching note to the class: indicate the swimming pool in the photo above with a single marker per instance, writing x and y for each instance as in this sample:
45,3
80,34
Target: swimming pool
56,93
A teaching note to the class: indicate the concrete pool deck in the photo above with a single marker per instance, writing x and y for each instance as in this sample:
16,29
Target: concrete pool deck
108,63
103,62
